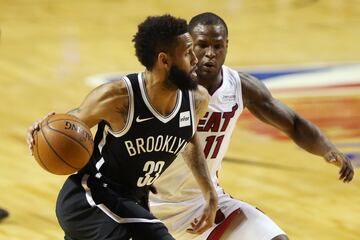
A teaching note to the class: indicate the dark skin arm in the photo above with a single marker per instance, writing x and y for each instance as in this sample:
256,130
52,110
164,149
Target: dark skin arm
195,160
305,134
108,102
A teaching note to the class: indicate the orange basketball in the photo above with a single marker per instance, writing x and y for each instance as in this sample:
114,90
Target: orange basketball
63,145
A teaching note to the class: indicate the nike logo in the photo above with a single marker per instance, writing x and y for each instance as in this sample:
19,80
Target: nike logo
139,120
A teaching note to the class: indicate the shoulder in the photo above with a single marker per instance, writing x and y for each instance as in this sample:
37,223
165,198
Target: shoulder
249,80
109,97
104,103
252,88
111,90
202,99
201,95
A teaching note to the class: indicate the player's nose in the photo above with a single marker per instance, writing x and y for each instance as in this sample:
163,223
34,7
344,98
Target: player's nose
210,52
194,58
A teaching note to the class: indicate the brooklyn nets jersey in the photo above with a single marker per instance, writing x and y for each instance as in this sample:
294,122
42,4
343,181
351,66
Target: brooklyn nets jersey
132,159
214,130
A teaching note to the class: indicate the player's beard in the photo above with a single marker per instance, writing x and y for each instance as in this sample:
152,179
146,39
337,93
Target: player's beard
182,79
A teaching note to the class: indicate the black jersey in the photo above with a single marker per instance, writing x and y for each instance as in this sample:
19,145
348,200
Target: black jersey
136,156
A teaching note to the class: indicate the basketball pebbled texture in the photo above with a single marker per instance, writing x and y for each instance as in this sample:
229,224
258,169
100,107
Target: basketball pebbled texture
63,145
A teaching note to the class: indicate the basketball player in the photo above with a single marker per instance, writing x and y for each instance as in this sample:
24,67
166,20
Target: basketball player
178,199
144,121
3,213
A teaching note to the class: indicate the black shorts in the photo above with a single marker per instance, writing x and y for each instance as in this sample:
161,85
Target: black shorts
99,213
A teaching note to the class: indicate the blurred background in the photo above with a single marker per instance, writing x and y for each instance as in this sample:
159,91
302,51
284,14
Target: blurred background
52,53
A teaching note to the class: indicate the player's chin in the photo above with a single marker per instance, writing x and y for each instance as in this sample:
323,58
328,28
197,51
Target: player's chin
194,76
205,72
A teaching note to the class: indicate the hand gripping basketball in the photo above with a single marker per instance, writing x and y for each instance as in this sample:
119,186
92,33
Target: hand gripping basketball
61,143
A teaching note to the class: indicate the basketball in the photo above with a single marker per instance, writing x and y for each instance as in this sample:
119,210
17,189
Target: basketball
63,145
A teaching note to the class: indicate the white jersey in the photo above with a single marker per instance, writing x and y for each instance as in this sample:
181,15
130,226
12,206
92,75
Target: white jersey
179,199
214,130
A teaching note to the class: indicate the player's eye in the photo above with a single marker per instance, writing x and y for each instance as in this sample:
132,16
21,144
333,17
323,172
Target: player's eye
202,45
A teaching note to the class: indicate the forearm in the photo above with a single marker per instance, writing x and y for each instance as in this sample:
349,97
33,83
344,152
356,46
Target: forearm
195,160
201,174
259,101
309,137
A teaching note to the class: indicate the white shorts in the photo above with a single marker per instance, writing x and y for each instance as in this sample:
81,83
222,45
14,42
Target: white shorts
178,216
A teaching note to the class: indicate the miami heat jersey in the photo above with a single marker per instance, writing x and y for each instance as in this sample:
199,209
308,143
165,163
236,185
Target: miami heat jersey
135,157
214,129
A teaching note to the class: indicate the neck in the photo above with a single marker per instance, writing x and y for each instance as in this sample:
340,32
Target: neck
212,83
161,95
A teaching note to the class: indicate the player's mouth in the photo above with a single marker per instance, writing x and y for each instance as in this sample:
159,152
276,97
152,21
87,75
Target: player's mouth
209,66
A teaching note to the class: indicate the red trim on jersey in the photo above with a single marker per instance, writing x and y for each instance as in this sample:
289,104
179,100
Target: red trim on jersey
220,229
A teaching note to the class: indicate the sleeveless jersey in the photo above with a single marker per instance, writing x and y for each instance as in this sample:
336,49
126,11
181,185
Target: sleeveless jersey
214,130
132,159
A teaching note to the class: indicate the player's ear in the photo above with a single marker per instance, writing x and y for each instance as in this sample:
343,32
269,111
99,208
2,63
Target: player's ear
164,60
227,43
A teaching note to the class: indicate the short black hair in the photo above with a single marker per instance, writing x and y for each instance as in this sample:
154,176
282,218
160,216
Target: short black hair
157,34
207,18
